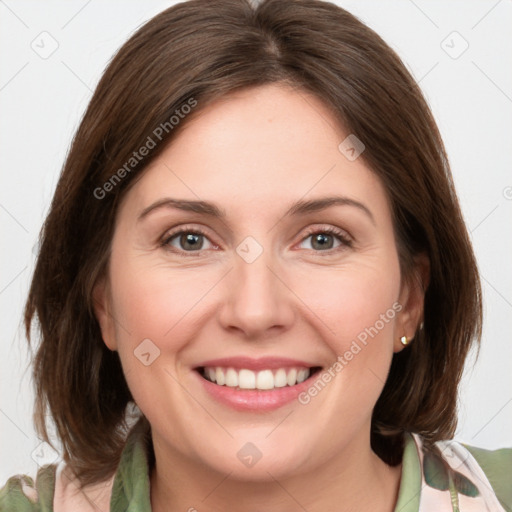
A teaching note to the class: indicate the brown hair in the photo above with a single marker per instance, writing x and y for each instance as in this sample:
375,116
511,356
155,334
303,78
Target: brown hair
203,50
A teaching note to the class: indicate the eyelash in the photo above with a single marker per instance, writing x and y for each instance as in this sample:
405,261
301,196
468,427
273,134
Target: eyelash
346,242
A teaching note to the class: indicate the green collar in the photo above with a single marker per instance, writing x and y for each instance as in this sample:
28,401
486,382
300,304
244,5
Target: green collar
131,487
410,481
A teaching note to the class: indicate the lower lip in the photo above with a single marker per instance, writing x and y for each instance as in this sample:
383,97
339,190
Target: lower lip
255,399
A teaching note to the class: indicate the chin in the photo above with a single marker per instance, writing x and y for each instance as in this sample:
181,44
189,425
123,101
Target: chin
257,457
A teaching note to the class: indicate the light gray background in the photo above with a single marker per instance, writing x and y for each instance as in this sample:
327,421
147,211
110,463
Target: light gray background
42,100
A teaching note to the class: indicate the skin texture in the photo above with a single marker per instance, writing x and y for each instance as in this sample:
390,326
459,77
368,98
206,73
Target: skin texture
254,154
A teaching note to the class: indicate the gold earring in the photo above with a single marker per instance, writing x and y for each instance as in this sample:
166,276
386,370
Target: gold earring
404,340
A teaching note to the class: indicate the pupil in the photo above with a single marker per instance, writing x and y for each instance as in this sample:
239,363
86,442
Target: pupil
190,241
323,241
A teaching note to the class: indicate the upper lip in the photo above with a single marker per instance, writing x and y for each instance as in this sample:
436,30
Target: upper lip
262,363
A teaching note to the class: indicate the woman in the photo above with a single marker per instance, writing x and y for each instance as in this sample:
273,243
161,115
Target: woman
256,242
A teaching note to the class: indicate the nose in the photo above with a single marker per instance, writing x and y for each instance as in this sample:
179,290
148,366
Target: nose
258,303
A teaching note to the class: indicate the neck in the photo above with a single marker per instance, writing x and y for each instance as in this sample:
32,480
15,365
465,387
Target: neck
341,483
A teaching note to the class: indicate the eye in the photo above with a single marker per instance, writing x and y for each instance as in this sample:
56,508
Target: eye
187,240
325,239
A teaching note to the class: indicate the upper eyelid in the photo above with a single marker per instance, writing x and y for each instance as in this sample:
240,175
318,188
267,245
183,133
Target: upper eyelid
333,230
172,232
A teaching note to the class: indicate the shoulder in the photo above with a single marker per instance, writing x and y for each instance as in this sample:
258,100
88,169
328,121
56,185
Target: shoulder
26,494
468,472
53,489
497,466
69,495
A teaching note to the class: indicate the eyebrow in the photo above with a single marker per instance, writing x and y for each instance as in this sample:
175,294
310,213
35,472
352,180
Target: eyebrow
299,208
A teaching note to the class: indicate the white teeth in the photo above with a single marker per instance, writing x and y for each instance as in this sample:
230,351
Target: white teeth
302,375
280,378
231,378
291,377
246,379
264,379
210,372
220,377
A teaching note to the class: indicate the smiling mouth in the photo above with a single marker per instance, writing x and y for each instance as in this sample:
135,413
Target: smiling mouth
263,380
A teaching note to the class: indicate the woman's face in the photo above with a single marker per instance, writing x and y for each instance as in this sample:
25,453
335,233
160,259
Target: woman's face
249,279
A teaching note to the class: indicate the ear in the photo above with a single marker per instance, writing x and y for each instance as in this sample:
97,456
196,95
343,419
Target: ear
412,299
102,305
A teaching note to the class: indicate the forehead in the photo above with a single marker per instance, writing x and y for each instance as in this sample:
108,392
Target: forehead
257,149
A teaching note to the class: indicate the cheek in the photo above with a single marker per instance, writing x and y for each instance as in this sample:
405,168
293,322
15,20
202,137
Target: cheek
156,312
356,309
158,303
